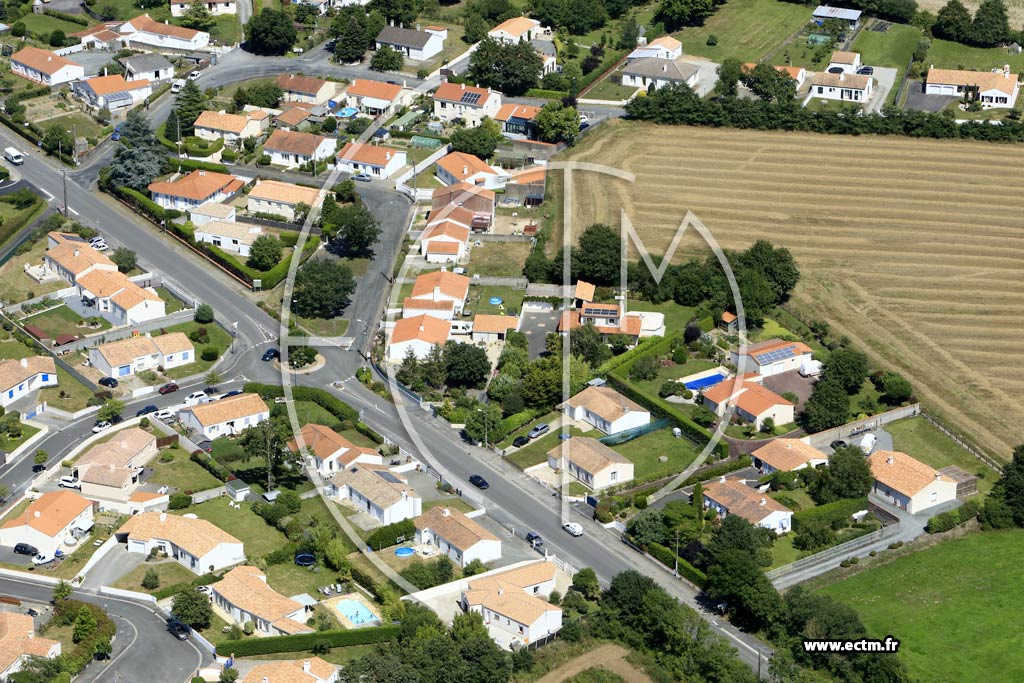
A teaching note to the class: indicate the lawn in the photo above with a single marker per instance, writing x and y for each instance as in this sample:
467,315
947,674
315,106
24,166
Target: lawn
219,339
771,330
511,300
80,124
124,9
893,48
258,537
646,450
949,606
214,633
290,579
917,437
667,372
676,316
795,500
182,473
42,24
608,89
172,304
62,320
169,571
547,419
320,327
13,221
503,259
452,502
783,551
226,29
945,54
9,445
69,394
453,47
746,29
537,451
14,284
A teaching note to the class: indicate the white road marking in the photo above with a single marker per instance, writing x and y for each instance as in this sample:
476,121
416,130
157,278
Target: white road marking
72,211
47,194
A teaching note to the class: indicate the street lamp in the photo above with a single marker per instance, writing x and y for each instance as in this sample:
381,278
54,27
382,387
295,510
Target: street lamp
486,425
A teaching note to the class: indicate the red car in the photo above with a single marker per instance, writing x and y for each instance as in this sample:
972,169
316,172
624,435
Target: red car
168,388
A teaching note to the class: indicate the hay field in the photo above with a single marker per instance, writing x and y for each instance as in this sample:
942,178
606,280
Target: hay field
913,248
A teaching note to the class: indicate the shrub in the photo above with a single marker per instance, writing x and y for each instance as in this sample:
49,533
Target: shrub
204,314
669,559
830,514
331,404
307,641
712,40
640,502
151,581
179,501
210,353
210,465
388,535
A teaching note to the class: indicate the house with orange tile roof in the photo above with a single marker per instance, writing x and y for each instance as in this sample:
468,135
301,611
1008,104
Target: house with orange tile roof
733,497
993,89
518,120
109,472
244,596
377,97
445,242
515,30
292,149
226,417
479,200
231,128
127,303
194,543
386,496
145,33
413,44
43,66
419,334
797,73
311,670
908,483
126,357
729,322
21,376
279,198
329,452
458,101
293,117
787,455
459,537
305,89
103,36
490,329
374,160
193,189
112,92
440,294
772,357
48,521
18,642
606,409
630,325
754,403
514,603
459,167
591,462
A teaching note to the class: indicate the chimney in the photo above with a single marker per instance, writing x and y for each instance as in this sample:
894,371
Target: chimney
1006,70
938,476
721,479
387,155
437,292
24,362
76,252
421,328
417,27
202,173
266,680
501,591
163,516
465,170
625,408
37,514
305,666
104,71
463,86
890,460
763,501
445,512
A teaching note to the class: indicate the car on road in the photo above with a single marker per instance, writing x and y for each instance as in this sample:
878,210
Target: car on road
146,410
271,354
520,441
479,482
69,482
206,589
38,468
538,430
108,382
42,558
164,415
99,246
837,444
534,539
573,528
866,71
584,119
177,86
99,238
195,398
194,76
25,549
211,390
362,177
102,426
233,392
179,630
168,388
116,135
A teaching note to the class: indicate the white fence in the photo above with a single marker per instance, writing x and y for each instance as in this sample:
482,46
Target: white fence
100,553
69,50
413,193
822,439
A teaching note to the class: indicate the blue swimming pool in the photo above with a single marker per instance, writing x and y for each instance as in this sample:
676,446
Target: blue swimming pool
355,611
704,382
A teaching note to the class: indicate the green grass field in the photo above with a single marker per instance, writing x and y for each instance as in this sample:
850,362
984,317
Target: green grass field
219,339
609,90
42,24
501,259
746,29
676,316
479,298
645,451
182,473
61,320
894,48
69,394
951,606
945,54
916,437
170,573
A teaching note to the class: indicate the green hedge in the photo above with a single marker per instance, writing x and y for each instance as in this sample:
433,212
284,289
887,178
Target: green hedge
172,590
718,470
190,149
206,461
668,558
173,163
307,641
332,404
388,535
141,203
953,518
64,16
651,345
289,239
840,510
518,420
546,94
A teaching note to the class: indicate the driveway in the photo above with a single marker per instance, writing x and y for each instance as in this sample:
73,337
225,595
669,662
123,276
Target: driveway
117,562
92,60
885,80
791,382
918,101
536,325
707,73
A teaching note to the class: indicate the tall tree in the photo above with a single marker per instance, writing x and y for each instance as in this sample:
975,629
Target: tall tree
399,11
558,123
480,141
357,229
587,343
192,607
475,27
124,258
197,17
434,369
465,365
738,580
848,367
677,13
768,83
848,475
512,69
953,22
827,407
188,106
597,256
270,32
322,288
351,43
730,72
387,58
265,252
991,24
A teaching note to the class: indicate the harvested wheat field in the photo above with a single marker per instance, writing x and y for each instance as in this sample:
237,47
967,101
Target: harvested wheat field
912,248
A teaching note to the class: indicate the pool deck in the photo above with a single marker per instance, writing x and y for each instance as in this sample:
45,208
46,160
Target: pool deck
361,599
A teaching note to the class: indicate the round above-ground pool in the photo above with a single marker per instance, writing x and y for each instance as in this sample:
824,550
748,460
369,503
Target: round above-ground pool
495,301
404,552
348,112
305,559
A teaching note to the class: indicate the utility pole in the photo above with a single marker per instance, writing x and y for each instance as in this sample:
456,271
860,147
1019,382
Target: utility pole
178,122
675,572
64,179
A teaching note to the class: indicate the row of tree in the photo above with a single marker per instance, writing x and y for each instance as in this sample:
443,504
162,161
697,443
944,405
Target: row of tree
990,25
454,365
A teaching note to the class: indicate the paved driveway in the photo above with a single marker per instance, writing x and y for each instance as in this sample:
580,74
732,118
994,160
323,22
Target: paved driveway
115,564
536,325
918,101
885,80
791,382
91,60
707,73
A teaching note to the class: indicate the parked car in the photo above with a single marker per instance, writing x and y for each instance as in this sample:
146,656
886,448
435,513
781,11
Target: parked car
116,135
573,528
479,482
179,630
42,558
538,430
866,71
25,549
194,76
164,415
362,177
520,441
534,539
177,86
99,238
211,390
168,388
99,246
271,354
101,426
146,411
108,382
32,612
837,444
195,398
69,482
233,392
38,468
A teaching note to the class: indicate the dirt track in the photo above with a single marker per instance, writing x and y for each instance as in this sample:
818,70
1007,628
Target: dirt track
611,657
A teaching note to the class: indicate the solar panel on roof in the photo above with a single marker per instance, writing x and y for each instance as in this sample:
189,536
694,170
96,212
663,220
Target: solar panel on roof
470,97
387,476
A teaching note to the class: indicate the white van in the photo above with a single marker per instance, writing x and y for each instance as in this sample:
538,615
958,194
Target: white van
177,86
14,156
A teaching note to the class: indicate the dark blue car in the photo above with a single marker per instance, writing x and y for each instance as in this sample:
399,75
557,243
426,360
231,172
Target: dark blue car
146,411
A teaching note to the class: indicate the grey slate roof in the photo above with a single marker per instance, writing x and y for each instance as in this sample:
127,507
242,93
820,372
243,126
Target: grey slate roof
407,37
148,62
663,69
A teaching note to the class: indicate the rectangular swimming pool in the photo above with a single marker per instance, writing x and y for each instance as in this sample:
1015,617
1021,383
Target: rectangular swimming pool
355,611
704,382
